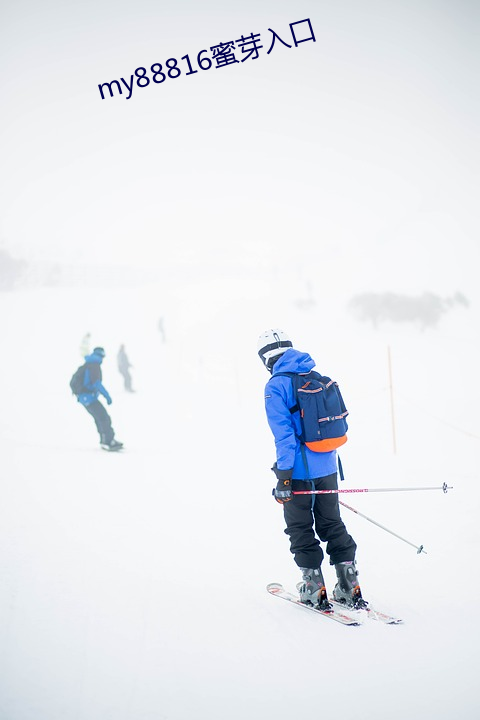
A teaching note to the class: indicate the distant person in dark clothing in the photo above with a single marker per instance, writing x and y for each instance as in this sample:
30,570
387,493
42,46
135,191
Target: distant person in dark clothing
124,368
88,397
161,329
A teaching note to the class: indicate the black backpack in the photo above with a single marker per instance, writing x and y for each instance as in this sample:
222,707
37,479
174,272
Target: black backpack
77,382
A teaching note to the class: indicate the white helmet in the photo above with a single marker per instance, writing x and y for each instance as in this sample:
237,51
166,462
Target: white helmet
271,344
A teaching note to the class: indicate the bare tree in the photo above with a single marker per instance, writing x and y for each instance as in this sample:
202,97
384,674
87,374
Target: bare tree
426,309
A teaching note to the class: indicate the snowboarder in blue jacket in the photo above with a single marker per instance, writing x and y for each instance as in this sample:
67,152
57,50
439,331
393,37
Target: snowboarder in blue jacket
92,388
309,518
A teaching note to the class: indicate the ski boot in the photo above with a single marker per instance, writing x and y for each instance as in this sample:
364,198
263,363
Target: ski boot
312,589
347,590
112,446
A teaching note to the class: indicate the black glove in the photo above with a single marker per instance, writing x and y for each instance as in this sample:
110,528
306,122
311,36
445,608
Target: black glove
283,492
282,474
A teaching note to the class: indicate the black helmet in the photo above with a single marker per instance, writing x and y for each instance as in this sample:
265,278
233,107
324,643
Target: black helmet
99,351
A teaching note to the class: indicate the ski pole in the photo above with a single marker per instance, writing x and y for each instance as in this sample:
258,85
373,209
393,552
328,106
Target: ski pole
443,487
419,548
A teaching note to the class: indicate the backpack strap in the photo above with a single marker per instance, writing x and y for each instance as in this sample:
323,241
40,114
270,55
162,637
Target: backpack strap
304,458
293,377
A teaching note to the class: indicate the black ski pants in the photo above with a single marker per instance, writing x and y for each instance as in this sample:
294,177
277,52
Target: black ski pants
310,517
102,421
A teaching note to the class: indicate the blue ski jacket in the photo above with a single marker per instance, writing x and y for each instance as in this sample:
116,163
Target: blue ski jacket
93,381
285,426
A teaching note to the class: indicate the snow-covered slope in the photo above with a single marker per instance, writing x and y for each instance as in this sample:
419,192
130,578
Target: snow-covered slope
133,585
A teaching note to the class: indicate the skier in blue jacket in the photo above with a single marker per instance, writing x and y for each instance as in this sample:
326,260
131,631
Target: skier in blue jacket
309,518
93,387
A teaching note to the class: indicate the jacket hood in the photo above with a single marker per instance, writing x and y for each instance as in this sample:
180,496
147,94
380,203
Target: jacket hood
93,358
293,361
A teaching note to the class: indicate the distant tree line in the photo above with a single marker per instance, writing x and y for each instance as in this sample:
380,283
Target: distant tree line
426,309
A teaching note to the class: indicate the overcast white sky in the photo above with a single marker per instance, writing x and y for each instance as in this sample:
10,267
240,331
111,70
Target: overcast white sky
360,147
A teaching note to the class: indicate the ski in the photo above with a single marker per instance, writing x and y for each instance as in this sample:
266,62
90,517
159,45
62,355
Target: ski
336,613
371,613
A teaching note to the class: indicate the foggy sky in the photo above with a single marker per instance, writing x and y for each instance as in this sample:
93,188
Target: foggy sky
361,146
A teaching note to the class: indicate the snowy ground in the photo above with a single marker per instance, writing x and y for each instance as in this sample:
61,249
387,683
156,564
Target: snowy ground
133,585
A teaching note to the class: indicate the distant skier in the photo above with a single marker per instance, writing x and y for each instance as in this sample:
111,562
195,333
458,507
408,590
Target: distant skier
300,468
87,385
85,345
124,368
161,329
